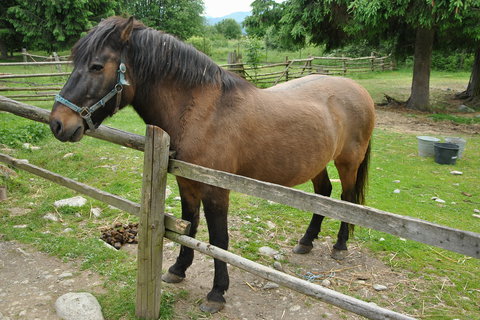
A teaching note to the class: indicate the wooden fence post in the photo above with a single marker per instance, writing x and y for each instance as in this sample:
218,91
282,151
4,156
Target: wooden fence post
287,63
24,54
151,226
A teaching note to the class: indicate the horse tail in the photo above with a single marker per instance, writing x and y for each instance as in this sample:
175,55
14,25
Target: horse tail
361,182
362,177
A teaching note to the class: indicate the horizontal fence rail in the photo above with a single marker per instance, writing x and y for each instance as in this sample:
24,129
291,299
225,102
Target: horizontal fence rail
171,223
340,300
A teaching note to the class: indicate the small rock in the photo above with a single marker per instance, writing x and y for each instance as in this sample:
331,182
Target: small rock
168,192
78,201
396,181
439,200
396,191
270,285
65,275
20,226
326,283
270,202
67,230
278,266
379,287
271,225
51,217
466,109
278,256
68,155
295,308
78,306
456,173
96,212
381,239
476,215
177,198
267,251
476,210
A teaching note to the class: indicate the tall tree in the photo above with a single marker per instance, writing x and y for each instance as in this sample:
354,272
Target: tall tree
182,18
52,25
412,23
9,39
230,28
265,13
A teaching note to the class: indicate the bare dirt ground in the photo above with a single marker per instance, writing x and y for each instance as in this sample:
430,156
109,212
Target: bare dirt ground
31,281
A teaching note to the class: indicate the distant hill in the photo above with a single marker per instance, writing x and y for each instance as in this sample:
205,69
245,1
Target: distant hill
237,16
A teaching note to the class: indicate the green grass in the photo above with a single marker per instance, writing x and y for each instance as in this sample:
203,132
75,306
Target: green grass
454,118
394,157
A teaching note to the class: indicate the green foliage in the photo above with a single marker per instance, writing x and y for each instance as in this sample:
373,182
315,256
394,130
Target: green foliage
452,61
181,18
229,28
454,118
253,51
16,136
52,25
202,44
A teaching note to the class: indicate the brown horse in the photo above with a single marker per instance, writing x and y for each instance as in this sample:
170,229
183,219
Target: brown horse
286,134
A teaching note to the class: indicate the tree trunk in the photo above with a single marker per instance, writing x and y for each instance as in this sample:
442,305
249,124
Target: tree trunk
473,89
3,50
420,94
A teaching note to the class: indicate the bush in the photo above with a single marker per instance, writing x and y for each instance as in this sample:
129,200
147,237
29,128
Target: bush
454,61
15,137
202,44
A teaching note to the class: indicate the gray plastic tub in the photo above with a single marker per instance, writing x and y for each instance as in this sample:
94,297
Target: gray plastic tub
425,146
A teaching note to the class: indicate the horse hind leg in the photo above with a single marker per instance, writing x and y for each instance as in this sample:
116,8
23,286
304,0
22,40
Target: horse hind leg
323,186
354,179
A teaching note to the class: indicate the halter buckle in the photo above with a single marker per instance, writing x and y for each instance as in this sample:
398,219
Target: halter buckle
85,113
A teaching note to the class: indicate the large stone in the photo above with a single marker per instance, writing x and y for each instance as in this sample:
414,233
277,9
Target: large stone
78,201
78,306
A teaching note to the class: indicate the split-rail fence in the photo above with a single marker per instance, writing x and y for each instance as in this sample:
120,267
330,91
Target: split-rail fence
155,224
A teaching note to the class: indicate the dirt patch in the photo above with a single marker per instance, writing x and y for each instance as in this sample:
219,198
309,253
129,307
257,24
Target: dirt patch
31,282
407,121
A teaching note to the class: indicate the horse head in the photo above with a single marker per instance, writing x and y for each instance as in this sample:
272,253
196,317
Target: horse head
100,83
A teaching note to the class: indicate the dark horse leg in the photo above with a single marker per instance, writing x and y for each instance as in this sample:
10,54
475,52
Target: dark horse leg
215,205
353,176
323,186
190,195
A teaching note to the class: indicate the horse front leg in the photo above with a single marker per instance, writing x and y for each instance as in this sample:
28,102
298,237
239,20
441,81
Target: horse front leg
190,196
215,205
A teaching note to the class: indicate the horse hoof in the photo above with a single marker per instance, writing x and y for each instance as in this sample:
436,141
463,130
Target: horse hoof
339,254
212,306
302,249
171,278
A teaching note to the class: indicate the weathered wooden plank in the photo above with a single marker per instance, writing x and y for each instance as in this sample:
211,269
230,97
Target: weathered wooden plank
120,137
340,300
45,63
29,88
463,242
36,75
171,222
151,226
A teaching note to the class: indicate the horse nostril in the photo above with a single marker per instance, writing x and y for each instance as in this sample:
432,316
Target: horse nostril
56,127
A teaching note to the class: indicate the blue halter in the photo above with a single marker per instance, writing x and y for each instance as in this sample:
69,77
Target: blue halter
86,112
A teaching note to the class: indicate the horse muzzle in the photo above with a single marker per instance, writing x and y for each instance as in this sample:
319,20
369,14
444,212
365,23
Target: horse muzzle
66,126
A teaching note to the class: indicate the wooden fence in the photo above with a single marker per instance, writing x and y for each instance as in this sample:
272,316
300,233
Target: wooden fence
22,86
152,217
271,74
41,86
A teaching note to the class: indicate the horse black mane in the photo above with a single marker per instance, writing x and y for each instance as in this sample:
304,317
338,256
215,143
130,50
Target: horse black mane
155,56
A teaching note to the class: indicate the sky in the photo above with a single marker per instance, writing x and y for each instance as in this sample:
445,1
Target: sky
220,8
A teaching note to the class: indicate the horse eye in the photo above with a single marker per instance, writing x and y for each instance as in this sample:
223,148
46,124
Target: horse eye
96,67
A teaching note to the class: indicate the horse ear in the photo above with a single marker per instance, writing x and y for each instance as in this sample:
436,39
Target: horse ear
127,30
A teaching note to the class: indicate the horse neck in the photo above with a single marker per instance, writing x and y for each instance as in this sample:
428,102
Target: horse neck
172,107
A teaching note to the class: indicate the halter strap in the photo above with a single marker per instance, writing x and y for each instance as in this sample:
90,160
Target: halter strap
86,112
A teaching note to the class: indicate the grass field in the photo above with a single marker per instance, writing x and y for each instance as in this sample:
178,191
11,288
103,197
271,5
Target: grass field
450,282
